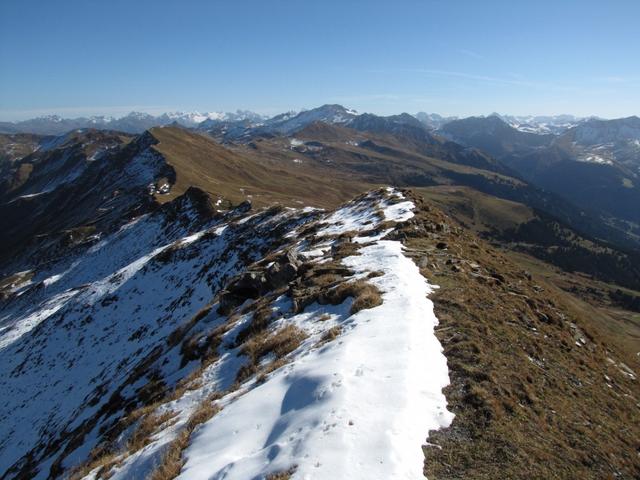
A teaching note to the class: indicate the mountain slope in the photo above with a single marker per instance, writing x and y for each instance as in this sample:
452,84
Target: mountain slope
492,135
192,304
77,189
16,146
237,176
384,157
249,344
537,375
322,165
519,228
593,165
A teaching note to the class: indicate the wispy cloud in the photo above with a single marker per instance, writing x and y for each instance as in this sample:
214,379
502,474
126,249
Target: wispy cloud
513,80
617,79
482,78
471,53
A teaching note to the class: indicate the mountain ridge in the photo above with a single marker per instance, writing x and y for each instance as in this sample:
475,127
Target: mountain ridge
136,122
210,273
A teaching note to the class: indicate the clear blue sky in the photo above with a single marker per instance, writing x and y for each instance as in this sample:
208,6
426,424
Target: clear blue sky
84,57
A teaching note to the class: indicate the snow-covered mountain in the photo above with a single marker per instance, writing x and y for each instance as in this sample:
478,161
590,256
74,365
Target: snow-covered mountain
290,122
596,132
284,123
493,135
134,122
606,142
253,336
541,124
433,121
594,156
193,119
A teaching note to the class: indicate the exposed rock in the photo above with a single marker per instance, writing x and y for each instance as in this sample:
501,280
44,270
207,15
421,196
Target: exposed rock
283,270
244,207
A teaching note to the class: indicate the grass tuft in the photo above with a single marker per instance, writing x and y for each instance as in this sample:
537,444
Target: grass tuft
280,344
172,461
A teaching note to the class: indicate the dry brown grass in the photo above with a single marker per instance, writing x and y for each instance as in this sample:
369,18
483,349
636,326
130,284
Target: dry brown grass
279,343
364,295
330,335
272,367
259,323
529,402
179,333
147,426
284,475
325,285
103,462
190,382
374,274
369,297
106,456
201,162
172,461
204,412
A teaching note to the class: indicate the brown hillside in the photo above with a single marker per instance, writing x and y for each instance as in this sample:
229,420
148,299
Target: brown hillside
542,385
235,176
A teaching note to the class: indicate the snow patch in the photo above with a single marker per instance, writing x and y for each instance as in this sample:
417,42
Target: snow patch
342,410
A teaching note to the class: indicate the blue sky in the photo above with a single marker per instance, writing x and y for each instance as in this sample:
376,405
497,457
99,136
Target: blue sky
85,57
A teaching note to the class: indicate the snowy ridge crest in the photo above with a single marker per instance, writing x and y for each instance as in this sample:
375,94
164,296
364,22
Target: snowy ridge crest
263,332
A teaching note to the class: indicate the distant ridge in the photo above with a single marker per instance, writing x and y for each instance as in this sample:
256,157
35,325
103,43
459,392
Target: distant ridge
137,122
134,122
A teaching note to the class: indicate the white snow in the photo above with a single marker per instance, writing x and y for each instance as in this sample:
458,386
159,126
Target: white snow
338,410
11,333
29,195
345,410
598,159
52,279
593,158
94,318
400,212
342,410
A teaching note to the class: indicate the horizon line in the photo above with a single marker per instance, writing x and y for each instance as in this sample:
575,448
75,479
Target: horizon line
120,112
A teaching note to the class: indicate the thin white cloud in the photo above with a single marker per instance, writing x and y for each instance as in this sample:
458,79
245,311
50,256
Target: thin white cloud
616,79
514,81
482,78
471,53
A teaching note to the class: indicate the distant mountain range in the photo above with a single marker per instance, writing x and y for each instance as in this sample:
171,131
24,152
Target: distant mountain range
137,122
592,163
544,124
